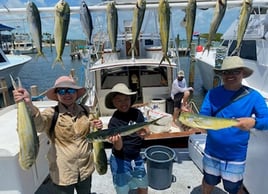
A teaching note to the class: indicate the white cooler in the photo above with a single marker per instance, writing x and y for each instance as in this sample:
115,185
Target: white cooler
196,146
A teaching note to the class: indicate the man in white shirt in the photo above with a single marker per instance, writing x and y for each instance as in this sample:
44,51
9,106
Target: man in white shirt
180,94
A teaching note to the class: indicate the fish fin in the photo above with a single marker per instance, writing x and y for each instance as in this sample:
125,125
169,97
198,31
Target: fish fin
58,60
187,52
207,47
236,52
165,57
130,51
40,54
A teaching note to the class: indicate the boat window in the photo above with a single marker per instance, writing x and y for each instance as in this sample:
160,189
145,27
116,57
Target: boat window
140,76
149,42
248,49
2,59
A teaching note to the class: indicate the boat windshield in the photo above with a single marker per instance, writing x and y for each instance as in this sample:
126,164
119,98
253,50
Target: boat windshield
248,49
136,77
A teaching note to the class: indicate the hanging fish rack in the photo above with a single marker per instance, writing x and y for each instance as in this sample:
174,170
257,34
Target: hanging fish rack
125,5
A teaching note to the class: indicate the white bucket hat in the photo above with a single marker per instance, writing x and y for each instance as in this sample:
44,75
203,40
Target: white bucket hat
180,73
64,82
119,88
234,62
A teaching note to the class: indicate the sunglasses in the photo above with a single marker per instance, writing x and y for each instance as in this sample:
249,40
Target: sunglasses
231,72
64,91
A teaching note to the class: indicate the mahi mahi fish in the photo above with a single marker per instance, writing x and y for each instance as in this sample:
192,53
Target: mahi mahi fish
28,139
86,21
99,155
190,22
205,122
62,19
112,24
138,16
103,135
242,25
34,21
164,24
219,12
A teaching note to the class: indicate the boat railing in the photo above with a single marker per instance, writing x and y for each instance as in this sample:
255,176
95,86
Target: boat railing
193,106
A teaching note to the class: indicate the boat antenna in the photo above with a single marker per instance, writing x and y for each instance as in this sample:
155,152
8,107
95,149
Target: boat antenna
6,8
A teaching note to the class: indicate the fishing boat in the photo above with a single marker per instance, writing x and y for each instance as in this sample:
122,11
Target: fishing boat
253,52
22,45
11,64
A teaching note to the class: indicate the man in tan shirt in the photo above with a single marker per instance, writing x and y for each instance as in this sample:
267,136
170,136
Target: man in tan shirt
70,155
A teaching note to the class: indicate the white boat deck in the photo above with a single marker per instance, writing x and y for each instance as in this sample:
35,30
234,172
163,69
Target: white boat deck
187,178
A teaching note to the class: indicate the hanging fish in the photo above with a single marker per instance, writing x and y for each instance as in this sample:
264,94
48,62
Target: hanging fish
28,139
205,122
34,22
86,21
242,25
190,22
62,19
138,16
219,12
164,24
112,24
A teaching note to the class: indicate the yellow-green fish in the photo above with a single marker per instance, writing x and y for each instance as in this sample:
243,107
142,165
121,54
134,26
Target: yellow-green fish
219,12
164,24
62,19
138,16
28,139
99,155
112,24
205,122
34,21
190,22
242,25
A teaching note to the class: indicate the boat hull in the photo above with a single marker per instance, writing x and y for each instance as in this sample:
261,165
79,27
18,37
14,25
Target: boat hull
11,65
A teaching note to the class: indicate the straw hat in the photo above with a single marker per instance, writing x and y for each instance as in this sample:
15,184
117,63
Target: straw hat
121,89
64,82
181,73
234,62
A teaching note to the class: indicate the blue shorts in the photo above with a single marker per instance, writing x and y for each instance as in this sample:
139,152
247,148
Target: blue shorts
230,172
128,175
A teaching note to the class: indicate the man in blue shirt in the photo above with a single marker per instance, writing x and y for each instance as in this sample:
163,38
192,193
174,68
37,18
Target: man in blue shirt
226,149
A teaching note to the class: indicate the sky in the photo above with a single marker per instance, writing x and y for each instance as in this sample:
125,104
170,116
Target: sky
19,22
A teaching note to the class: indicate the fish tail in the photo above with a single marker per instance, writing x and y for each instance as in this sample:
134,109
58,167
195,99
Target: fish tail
165,58
236,52
207,47
58,60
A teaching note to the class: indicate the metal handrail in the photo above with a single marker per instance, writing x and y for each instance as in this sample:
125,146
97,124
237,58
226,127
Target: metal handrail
193,106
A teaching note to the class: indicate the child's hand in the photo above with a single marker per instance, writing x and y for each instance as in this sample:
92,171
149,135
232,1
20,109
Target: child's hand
143,132
117,142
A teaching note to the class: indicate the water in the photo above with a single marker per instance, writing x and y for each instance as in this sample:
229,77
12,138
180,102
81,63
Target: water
39,72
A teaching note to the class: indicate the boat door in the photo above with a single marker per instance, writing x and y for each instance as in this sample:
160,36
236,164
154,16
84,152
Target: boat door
134,81
128,47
